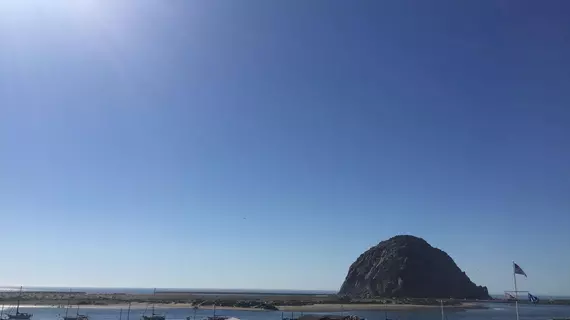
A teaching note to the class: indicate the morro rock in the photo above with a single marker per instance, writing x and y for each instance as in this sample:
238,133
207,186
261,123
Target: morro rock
408,266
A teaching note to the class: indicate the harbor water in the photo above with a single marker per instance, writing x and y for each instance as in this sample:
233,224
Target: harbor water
495,311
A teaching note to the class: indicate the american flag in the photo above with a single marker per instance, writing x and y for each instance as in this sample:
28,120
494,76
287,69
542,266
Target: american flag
518,270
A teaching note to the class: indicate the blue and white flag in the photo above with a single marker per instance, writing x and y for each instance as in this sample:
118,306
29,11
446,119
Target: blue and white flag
533,299
517,269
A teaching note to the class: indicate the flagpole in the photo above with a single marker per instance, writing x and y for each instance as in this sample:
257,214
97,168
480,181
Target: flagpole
516,291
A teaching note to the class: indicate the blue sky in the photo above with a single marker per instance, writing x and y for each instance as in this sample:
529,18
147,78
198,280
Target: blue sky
266,144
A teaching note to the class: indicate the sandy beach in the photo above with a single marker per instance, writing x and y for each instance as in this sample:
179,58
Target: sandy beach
359,307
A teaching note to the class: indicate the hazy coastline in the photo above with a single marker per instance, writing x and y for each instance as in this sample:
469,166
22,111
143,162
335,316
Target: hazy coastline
304,308
254,301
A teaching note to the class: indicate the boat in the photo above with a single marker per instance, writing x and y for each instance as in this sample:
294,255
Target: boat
19,315
215,317
153,315
128,312
195,308
77,315
292,316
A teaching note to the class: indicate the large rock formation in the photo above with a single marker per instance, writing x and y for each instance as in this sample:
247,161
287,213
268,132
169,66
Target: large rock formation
407,266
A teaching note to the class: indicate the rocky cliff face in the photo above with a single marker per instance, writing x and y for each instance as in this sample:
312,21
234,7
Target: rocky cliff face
407,266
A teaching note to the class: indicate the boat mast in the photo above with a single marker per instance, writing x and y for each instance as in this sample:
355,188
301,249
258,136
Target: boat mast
442,314
153,294
68,303
129,311
18,305
121,314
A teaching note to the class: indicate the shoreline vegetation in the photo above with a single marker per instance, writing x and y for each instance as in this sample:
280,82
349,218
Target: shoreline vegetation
235,301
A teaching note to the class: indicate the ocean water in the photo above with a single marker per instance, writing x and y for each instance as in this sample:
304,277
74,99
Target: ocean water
150,290
498,311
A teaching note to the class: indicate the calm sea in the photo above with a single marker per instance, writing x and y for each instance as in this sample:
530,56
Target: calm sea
150,290
495,312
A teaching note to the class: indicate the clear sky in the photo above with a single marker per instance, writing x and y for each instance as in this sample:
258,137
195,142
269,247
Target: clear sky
266,144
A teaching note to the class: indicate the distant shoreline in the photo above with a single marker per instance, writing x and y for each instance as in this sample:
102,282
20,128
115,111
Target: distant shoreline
305,308
373,307
144,306
235,301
